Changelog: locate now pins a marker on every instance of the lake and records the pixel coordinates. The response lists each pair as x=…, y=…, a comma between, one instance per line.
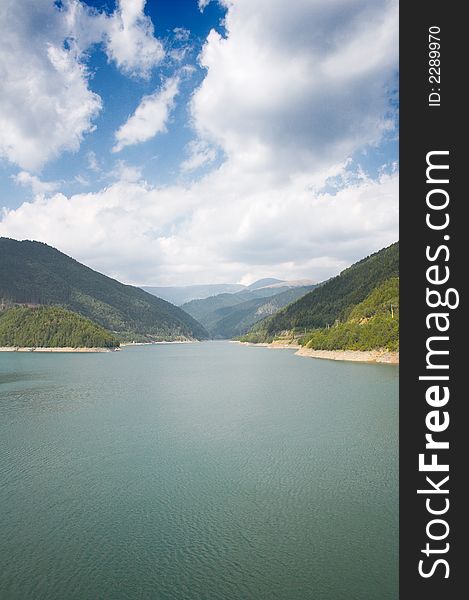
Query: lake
x=206, y=471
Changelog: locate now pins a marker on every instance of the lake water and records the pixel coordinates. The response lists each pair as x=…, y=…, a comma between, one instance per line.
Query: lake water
x=207, y=471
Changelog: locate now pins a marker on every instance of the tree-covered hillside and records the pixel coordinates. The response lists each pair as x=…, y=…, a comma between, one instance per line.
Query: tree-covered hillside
x=373, y=323
x=242, y=316
x=334, y=301
x=33, y=272
x=230, y=315
x=51, y=326
x=208, y=311
x=181, y=294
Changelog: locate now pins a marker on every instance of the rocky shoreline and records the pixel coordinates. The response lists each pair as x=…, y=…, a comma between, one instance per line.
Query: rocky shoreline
x=274, y=344
x=373, y=356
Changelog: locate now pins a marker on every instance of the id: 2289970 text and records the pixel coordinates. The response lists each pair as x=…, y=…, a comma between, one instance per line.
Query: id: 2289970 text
x=434, y=65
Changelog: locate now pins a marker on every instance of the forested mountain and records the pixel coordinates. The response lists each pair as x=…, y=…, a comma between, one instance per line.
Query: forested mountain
x=35, y=273
x=334, y=301
x=373, y=323
x=231, y=315
x=181, y=295
x=51, y=326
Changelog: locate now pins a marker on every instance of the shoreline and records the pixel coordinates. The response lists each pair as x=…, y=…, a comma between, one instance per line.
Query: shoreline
x=70, y=350
x=127, y=344
x=55, y=349
x=370, y=356
x=272, y=345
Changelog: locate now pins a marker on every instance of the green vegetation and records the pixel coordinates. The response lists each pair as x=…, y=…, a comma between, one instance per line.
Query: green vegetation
x=374, y=323
x=209, y=311
x=33, y=272
x=182, y=294
x=244, y=315
x=230, y=315
x=51, y=326
x=350, y=311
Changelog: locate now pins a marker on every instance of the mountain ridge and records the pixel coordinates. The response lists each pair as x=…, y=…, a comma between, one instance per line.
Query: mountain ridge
x=34, y=272
x=181, y=295
x=333, y=301
x=230, y=315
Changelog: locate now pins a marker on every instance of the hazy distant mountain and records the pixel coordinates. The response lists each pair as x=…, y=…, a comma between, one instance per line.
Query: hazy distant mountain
x=230, y=315
x=244, y=315
x=180, y=295
x=260, y=283
x=281, y=284
x=35, y=273
x=361, y=295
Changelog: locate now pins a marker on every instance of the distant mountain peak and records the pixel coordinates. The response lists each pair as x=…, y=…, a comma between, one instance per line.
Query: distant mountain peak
x=181, y=294
x=270, y=282
x=291, y=283
x=265, y=282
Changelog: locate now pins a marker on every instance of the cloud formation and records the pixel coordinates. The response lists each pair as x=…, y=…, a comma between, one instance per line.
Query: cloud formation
x=300, y=85
x=290, y=94
x=215, y=230
x=37, y=186
x=202, y=4
x=199, y=154
x=130, y=39
x=150, y=117
x=124, y=172
x=46, y=104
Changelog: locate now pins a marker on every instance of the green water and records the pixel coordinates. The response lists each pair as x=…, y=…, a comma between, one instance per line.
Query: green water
x=208, y=471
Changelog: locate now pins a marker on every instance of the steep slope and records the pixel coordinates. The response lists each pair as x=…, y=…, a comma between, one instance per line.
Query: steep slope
x=334, y=300
x=372, y=324
x=51, y=326
x=244, y=315
x=209, y=311
x=33, y=272
x=230, y=315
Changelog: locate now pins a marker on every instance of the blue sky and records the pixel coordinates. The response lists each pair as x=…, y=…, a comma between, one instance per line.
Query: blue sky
x=201, y=141
x=159, y=158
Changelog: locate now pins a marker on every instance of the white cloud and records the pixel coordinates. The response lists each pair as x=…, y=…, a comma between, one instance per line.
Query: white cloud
x=291, y=93
x=130, y=39
x=300, y=85
x=215, y=230
x=124, y=172
x=37, y=186
x=181, y=34
x=92, y=161
x=200, y=154
x=46, y=105
x=80, y=180
x=202, y=4
x=150, y=117
x=127, y=33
